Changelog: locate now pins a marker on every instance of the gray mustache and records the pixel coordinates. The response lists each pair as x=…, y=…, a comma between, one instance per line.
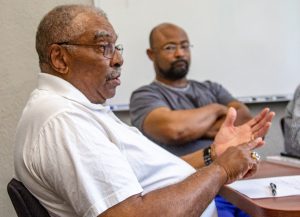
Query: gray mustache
x=116, y=73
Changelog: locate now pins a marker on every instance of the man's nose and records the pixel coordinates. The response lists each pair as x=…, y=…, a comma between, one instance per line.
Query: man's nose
x=179, y=52
x=117, y=59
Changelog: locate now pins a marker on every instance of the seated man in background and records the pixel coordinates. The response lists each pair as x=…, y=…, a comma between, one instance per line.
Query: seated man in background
x=78, y=159
x=181, y=115
x=292, y=125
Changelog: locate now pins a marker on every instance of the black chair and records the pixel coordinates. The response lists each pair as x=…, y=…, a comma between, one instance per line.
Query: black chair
x=25, y=204
x=282, y=125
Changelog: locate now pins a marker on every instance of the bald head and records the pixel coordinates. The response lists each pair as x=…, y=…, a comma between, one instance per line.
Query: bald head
x=164, y=30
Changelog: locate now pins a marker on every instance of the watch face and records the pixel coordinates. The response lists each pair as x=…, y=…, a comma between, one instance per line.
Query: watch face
x=207, y=156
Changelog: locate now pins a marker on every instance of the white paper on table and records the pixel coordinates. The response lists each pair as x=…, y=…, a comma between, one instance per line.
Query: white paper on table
x=260, y=188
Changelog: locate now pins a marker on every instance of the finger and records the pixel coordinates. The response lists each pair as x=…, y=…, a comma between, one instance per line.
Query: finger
x=267, y=119
x=252, y=170
x=230, y=117
x=262, y=131
x=259, y=117
x=262, y=127
x=271, y=115
x=262, y=121
x=252, y=166
x=258, y=142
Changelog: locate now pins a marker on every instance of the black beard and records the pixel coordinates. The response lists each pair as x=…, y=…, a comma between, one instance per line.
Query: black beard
x=174, y=73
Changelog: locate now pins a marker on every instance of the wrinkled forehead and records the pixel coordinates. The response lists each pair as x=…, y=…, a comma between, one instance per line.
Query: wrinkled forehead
x=97, y=28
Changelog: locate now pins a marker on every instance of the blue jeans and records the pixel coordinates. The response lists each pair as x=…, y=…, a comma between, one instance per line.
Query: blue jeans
x=226, y=209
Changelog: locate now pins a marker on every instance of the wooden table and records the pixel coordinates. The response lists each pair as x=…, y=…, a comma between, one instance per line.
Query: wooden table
x=267, y=207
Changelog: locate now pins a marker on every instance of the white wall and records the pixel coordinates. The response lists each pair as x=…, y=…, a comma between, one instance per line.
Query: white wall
x=19, y=68
x=238, y=43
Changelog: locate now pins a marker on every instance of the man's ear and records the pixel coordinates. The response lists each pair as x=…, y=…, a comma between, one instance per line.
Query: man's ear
x=58, y=58
x=150, y=54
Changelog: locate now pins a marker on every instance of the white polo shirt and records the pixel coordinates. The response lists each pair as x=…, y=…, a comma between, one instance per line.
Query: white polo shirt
x=79, y=159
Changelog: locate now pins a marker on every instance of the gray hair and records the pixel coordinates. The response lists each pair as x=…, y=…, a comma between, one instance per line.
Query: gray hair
x=58, y=26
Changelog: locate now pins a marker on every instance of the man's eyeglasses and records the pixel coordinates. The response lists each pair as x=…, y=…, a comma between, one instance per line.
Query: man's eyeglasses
x=172, y=48
x=108, y=50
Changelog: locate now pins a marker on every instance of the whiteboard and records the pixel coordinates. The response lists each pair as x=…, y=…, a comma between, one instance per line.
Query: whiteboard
x=251, y=47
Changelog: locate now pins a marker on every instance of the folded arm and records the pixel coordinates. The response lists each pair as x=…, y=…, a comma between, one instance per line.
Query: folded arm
x=181, y=126
x=243, y=115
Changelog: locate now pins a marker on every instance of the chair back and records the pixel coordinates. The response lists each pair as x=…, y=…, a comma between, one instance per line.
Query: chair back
x=282, y=123
x=25, y=204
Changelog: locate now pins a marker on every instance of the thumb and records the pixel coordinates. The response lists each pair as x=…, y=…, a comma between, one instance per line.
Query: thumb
x=230, y=117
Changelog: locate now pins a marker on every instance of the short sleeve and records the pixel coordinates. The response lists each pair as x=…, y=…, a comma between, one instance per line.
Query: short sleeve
x=221, y=94
x=142, y=102
x=75, y=157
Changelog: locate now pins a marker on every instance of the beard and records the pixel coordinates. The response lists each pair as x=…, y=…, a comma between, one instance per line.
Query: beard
x=175, y=72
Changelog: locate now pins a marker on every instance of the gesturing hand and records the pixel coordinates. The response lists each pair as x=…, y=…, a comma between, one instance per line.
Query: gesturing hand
x=229, y=135
x=237, y=161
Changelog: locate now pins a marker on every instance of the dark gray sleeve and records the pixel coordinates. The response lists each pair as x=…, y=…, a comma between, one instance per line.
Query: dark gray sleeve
x=222, y=95
x=143, y=101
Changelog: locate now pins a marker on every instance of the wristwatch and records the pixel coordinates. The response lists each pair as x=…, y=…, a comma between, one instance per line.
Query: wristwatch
x=207, y=156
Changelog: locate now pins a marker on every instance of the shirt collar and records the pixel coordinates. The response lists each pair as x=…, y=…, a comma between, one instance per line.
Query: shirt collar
x=180, y=89
x=65, y=89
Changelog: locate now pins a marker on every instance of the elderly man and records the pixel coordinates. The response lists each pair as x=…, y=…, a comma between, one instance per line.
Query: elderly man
x=78, y=159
